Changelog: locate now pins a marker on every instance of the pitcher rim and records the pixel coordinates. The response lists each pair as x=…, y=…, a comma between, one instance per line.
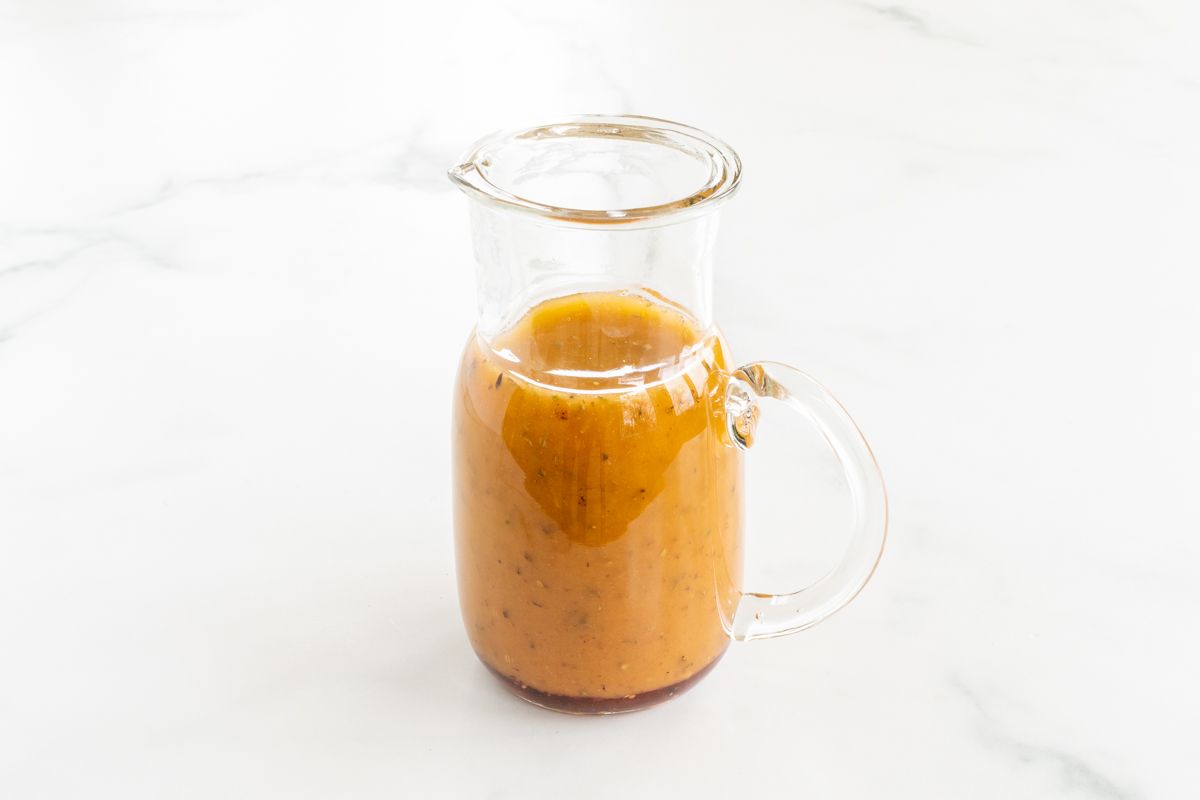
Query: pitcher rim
x=724, y=169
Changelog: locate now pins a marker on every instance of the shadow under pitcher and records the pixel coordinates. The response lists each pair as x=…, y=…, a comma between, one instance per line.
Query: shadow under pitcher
x=600, y=426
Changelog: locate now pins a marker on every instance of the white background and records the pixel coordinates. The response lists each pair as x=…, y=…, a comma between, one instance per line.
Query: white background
x=234, y=282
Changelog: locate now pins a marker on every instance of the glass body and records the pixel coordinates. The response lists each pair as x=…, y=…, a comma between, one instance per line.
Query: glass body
x=599, y=427
x=598, y=519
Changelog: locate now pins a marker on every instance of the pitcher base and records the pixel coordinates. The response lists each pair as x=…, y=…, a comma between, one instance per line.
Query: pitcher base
x=573, y=704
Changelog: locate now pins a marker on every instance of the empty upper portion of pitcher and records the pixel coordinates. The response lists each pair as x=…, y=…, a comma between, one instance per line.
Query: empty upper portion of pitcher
x=595, y=203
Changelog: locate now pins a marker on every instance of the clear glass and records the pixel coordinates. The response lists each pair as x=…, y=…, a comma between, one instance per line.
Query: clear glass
x=599, y=427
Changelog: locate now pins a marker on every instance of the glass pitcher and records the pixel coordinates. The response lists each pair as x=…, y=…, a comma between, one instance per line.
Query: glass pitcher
x=599, y=423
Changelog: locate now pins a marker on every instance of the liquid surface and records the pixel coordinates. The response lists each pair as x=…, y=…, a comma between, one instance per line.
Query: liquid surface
x=598, y=500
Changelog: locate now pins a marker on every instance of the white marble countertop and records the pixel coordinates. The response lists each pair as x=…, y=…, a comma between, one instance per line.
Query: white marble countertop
x=234, y=283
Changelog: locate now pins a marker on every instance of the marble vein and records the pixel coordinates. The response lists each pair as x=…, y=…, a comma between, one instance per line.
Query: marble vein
x=1074, y=773
x=904, y=19
x=398, y=161
x=83, y=240
x=67, y=245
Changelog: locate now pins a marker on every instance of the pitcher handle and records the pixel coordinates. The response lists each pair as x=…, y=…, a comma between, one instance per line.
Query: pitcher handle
x=760, y=615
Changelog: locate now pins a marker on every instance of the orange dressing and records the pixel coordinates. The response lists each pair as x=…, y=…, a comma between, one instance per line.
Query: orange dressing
x=597, y=498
